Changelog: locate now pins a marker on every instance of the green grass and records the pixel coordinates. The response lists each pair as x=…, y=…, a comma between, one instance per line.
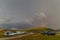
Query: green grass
x=1, y=35
x=38, y=37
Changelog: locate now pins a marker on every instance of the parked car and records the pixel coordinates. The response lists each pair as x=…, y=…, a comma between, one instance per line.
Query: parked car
x=48, y=33
x=20, y=32
x=8, y=33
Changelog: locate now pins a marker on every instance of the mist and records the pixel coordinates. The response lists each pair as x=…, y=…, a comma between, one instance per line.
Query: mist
x=14, y=11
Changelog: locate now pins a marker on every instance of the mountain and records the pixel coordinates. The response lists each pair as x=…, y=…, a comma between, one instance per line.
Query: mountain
x=17, y=25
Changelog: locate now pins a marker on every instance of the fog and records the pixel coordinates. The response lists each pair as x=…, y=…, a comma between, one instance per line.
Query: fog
x=13, y=11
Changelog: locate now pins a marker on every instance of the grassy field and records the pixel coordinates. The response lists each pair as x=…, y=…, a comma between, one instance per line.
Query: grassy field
x=1, y=35
x=38, y=37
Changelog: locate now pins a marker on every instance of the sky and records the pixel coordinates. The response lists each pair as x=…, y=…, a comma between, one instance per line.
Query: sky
x=13, y=11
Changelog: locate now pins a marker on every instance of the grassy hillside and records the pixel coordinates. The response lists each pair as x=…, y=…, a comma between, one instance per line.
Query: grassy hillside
x=38, y=37
x=39, y=29
x=1, y=33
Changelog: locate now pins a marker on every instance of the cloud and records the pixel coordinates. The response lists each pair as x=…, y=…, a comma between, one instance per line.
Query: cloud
x=29, y=21
x=39, y=18
x=43, y=15
x=2, y=21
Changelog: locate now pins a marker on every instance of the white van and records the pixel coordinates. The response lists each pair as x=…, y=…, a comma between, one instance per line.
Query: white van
x=8, y=33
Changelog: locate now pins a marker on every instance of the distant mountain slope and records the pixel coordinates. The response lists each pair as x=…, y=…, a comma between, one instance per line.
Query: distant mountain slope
x=17, y=25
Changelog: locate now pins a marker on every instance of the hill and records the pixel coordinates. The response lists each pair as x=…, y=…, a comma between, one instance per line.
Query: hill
x=38, y=37
x=17, y=25
x=39, y=29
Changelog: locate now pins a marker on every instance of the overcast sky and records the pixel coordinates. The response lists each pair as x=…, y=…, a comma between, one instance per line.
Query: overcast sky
x=12, y=11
